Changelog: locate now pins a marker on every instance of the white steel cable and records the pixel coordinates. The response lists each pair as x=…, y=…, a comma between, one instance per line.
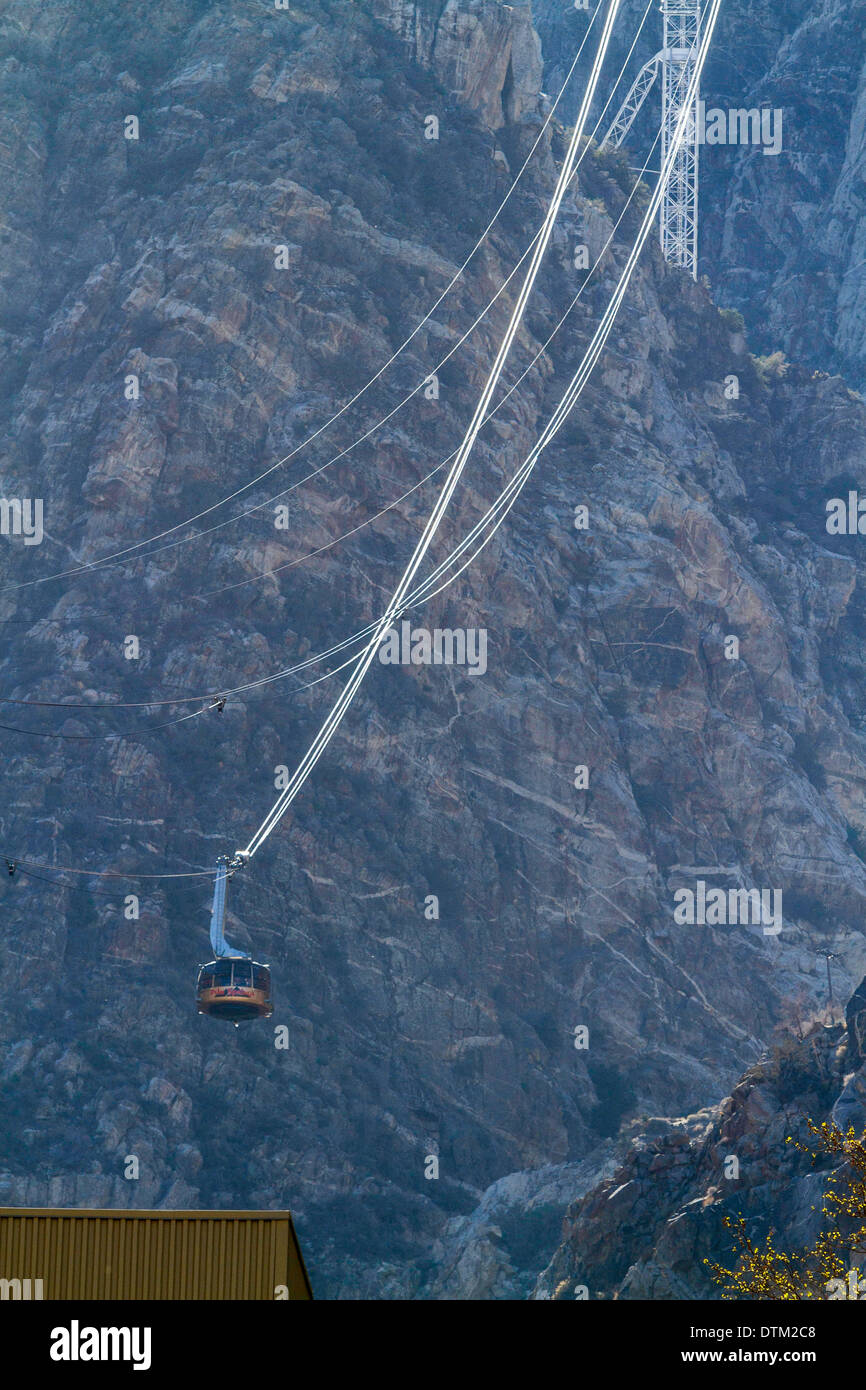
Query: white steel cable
x=106, y=560
x=504, y=502
x=254, y=579
x=596, y=347
x=557, y=420
x=512, y=490
x=417, y=595
x=455, y=348
x=352, y=685
x=575, y=387
x=109, y=560
x=422, y=593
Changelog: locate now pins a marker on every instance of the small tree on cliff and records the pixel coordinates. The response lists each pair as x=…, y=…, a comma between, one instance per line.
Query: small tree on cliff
x=768, y=1273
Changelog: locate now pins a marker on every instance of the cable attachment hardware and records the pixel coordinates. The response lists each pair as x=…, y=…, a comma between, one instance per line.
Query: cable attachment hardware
x=11, y=867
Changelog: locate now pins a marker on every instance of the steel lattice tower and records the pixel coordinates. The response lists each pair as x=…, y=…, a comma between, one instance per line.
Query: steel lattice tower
x=676, y=63
x=679, y=214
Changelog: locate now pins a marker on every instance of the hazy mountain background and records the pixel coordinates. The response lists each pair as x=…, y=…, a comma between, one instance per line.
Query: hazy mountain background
x=411, y=1037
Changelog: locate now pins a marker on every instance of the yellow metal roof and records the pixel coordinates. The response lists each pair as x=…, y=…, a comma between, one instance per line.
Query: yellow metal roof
x=94, y=1253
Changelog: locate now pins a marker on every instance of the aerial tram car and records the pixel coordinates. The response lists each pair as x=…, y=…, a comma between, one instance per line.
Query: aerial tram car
x=232, y=986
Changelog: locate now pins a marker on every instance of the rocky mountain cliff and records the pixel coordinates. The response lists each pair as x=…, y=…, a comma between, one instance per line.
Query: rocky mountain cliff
x=277, y=229
x=647, y=1231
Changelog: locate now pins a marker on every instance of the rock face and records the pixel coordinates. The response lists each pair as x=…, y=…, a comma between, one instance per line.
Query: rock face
x=449, y=902
x=647, y=1230
x=486, y=54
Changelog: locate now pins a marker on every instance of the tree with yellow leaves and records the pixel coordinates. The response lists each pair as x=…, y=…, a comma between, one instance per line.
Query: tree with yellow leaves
x=830, y=1268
